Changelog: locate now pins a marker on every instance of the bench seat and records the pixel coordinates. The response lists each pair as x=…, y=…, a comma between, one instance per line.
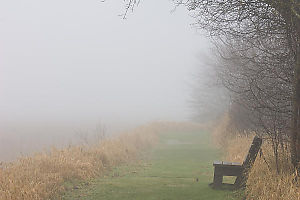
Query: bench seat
x=218, y=163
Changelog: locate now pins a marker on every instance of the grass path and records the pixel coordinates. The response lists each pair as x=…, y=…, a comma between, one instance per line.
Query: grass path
x=179, y=168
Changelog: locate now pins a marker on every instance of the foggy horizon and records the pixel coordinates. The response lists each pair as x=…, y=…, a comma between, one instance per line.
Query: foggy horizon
x=78, y=64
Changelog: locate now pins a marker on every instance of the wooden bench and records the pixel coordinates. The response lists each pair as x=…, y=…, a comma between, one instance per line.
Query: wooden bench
x=236, y=169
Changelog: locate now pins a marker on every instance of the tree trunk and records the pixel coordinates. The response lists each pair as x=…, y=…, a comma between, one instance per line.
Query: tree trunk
x=292, y=20
x=295, y=145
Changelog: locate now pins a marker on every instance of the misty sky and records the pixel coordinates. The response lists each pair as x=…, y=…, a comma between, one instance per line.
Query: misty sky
x=78, y=60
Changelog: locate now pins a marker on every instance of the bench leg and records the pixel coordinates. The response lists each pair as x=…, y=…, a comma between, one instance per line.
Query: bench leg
x=218, y=179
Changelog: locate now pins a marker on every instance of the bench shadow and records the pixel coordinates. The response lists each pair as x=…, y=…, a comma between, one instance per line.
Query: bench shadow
x=223, y=186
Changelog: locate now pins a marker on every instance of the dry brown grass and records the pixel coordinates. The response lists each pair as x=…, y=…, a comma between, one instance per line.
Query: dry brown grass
x=42, y=175
x=264, y=182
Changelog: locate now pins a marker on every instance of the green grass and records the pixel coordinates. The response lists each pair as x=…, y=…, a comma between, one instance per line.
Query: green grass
x=169, y=172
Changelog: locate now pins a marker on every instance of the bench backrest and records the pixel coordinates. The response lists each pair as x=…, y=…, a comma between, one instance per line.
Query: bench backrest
x=252, y=154
x=248, y=162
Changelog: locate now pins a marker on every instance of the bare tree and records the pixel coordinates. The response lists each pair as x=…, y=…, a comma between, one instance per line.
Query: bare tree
x=261, y=90
x=209, y=99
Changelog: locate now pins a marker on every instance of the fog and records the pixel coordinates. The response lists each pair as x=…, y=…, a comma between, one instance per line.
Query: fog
x=68, y=66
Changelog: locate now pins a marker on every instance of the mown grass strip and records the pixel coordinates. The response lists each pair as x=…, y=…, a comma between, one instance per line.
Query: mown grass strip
x=179, y=168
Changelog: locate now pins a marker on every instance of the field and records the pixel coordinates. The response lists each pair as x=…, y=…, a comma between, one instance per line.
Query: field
x=178, y=168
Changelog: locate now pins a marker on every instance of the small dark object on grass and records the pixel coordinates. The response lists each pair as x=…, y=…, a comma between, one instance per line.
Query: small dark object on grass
x=76, y=187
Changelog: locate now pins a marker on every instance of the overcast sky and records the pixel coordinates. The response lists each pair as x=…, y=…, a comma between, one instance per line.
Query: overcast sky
x=78, y=60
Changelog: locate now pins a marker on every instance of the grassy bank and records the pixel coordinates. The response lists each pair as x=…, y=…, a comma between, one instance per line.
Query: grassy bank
x=179, y=168
x=42, y=176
